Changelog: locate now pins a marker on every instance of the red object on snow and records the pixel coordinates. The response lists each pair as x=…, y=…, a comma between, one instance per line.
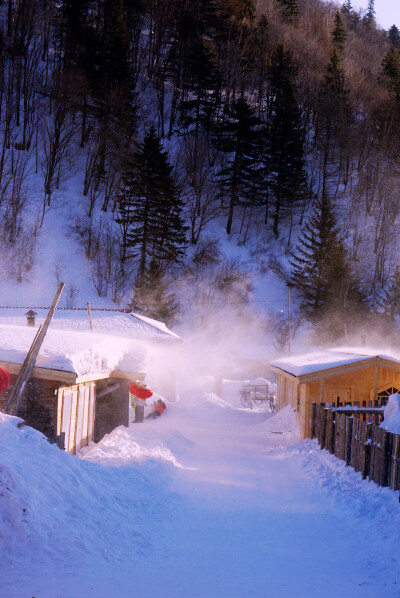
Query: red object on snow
x=5, y=379
x=140, y=391
x=160, y=406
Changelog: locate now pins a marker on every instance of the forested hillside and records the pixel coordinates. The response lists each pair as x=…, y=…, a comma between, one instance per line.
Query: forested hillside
x=277, y=118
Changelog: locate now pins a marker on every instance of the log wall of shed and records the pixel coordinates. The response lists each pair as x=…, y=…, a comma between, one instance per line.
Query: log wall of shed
x=38, y=407
x=112, y=409
x=358, y=387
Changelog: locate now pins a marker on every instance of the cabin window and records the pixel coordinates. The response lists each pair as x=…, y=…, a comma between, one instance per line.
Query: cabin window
x=384, y=395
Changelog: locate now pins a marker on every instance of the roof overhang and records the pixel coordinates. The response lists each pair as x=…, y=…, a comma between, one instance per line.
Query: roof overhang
x=330, y=372
x=70, y=378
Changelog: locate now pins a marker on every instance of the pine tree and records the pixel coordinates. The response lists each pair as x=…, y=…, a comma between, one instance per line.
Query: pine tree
x=339, y=33
x=390, y=78
x=391, y=298
x=350, y=15
x=289, y=9
x=390, y=73
x=285, y=159
x=334, y=87
x=150, y=209
x=75, y=30
x=347, y=7
x=153, y=296
x=370, y=14
x=113, y=50
x=203, y=82
x=321, y=269
x=394, y=36
x=240, y=137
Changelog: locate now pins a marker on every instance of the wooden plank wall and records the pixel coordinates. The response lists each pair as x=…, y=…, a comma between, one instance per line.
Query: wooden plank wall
x=369, y=449
x=76, y=415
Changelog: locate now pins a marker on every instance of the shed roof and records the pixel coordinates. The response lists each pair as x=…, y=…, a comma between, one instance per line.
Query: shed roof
x=66, y=355
x=71, y=352
x=107, y=322
x=333, y=361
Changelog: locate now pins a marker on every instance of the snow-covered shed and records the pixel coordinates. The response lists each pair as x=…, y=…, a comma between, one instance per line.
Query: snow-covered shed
x=340, y=377
x=79, y=389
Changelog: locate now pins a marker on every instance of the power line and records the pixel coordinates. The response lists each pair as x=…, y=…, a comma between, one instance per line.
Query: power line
x=127, y=311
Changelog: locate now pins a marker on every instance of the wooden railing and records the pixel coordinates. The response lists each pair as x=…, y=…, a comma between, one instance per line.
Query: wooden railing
x=366, y=447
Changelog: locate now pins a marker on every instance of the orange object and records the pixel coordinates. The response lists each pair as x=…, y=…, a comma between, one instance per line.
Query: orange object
x=5, y=379
x=139, y=391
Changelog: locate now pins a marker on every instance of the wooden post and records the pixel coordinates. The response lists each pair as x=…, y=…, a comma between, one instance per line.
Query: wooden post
x=323, y=428
x=330, y=431
x=385, y=458
x=394, y=473
x=367, y=451
x=313, y=414
x=348, y=441
x=340, y=435
x=28, y=365
x=90, y=315
x=375, y=384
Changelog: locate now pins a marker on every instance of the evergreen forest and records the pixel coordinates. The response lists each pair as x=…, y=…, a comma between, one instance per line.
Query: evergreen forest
x=274, y=121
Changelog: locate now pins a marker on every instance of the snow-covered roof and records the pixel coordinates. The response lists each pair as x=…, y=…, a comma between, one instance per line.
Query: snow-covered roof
x=309, y=363
x=76, y=352
x=114, y=323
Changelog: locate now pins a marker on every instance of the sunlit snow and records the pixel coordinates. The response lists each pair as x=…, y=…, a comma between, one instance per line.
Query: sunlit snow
x=209, y=500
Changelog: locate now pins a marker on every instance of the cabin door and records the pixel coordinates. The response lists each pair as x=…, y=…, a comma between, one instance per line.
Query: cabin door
x=76, y=415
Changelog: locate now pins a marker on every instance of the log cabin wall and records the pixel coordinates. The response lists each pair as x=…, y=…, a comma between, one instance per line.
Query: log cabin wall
x=358, y=387
x=38, y=407
x=112, y=406
x=72, y=416
x=286, y=391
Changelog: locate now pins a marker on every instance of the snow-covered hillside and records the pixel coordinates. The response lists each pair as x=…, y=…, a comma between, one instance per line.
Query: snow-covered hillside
x=209, y=500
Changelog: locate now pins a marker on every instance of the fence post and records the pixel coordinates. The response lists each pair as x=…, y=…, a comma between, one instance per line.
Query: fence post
x=330, y=430
x=348, y=439
x=367, y=451
x=395, y=462
x=323, y=427
x=384, y=478
x=313, y=414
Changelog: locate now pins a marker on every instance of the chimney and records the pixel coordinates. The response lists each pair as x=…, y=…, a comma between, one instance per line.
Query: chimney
x=30, y=317
x=364, y=340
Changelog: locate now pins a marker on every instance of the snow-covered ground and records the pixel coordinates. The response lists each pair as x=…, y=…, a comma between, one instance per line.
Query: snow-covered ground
x=209, y=501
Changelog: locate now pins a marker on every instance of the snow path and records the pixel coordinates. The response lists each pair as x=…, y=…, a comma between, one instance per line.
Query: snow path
x=207, y=501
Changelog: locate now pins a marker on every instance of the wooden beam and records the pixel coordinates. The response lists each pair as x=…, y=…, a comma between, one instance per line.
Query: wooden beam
x=28, y=365
x=41, y=373
x=375, y=383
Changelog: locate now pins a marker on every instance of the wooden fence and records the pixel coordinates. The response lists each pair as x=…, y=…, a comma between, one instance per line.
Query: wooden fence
x=365, y=446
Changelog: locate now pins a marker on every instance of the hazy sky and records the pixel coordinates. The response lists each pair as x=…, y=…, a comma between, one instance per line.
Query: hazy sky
x=387, y=12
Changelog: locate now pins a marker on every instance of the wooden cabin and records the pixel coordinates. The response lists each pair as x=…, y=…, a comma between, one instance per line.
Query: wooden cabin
x=69, y=410
x=79, y=389
x=338, y=377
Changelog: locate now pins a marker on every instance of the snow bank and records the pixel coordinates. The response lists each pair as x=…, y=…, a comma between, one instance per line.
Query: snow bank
x=207, y=500
x=56, y=508
x=391, y=421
